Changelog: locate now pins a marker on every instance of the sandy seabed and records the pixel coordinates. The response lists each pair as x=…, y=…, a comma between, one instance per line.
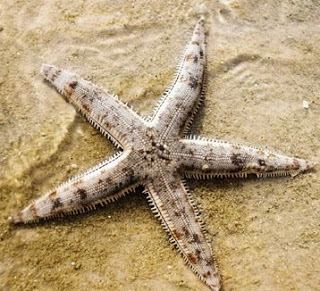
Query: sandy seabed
x=263, y=61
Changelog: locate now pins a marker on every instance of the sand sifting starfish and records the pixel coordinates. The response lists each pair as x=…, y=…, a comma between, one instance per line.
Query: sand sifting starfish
x=157, y=154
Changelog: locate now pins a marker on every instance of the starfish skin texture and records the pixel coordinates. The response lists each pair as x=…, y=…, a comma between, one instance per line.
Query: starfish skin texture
x=156, y=153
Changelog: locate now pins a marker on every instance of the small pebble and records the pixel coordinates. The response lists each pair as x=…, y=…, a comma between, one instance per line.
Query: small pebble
x=75, y=265
x=1, y=28
x=305, y=104
x=73, y=166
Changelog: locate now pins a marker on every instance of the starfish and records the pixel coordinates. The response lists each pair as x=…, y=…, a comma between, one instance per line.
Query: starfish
x=156, y=153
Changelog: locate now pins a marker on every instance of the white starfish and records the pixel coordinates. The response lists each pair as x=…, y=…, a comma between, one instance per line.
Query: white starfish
x=156, y=153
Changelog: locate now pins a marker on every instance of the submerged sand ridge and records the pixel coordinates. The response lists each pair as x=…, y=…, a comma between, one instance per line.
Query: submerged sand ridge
x=263, y=61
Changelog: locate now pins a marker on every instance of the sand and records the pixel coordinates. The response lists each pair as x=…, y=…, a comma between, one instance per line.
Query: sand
x=263, y=62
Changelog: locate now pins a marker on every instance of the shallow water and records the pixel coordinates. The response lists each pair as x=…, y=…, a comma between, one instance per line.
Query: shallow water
x=263, y=61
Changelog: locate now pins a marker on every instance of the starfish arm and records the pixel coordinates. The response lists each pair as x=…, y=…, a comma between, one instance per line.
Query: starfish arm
x=173, y=205
x=204, y=158
x=105, y=111
x=101, y=184
x=181, y=100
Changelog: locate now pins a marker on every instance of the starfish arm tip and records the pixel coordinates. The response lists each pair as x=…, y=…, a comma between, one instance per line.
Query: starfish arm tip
x=45, y=69
x=14, y=220
x=311, y=165
x=307, y=165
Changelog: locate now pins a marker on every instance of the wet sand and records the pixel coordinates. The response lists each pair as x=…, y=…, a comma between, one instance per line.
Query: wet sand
x=263, y=61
